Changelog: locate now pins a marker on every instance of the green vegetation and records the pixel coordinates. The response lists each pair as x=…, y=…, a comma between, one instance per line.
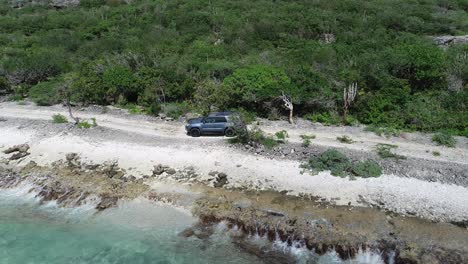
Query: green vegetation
x=306, y=140
x=345, y=139
x=281, y=136
x=386, y=131
x=59, y=119
x=87, y=123
x=331, y=160
x=199, y=56
x=444, y=139
x=367, y=169
x=256, y=136
x=385, y=151
x=340, y=165
x=436, y=153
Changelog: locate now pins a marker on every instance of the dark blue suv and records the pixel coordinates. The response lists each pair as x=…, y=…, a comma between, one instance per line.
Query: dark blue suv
x=219, y=123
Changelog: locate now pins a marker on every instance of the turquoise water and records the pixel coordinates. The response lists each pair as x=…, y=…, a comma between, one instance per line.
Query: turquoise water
x=135, y=232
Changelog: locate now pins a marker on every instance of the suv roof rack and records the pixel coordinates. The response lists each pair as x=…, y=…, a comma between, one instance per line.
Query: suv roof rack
x=221, y=113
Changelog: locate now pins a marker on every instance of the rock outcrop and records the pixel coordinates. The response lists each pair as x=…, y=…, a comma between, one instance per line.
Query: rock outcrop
x=70, y=182
x=306, y=223
x=51, y=3
x=450, y=40
x=19, y=151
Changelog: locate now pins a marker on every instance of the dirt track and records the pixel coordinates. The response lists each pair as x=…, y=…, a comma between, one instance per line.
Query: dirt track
x=139, y=142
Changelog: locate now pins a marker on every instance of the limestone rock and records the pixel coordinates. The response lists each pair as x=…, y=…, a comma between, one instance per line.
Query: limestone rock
x=63, y=3
x=106, y=202
x=17, y=148
x=160, y=169
x=19, y=155
x=449, y=40
x=220, y=180
x=73, y=160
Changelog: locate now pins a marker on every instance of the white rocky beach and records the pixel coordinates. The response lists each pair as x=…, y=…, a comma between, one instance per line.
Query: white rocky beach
x=158, y=154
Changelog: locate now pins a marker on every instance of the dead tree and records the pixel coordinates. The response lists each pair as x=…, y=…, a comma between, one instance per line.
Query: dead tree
x=349, y=94
x=66, y=91
x=76, y=119
x=288, y=105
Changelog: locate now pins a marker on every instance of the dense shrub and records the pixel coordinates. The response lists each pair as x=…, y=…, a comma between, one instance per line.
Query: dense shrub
x=386, y=131
x=306, y=140
x=340, y=165
x=324, y=118
x=255, y=136
x=46, y=93
x=419, y=62
x=366, y=169
x=444, y=139
x=332, y=160
x=59, y=119
x=282, y=136
x=345, y=139
x=385, y=151
x=175, y=110
x=87, y=123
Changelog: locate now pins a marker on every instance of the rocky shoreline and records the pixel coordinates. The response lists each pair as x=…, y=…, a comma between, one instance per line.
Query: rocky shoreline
x=303, y=221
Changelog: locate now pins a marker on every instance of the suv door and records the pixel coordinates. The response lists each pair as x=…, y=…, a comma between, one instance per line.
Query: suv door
x=208, y=125
x=219, y=124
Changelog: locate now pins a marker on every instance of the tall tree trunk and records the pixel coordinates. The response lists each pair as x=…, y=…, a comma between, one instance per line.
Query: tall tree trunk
x=288, y=105
x=76, y=119
x=345, y=111
x=291, y=120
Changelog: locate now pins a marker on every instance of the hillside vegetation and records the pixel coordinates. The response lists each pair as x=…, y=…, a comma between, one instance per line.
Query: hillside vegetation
x=199, y=55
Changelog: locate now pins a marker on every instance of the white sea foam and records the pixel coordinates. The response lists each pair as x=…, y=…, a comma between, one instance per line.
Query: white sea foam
x=26, y=193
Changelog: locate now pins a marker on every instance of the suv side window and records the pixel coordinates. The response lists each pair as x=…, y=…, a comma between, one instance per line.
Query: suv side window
x=220, y=119
x=210, y=120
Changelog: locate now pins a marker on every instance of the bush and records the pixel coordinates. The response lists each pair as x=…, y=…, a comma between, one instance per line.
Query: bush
x=345, y=139
x=306, y=139
x=153, y=109
x=339, y=165
x=387, y=131
x=384, y=151
x=175, y=110
x=254, y=136
x=366, y=169
x=444, y=139
x=436, y=153
x=327, y=119
x=281, y=136
x=16, y=97
x=134, y=109
x=59, y=119
x=87, y=123
x=333, y=160
x=247, y=116
x=46, y=93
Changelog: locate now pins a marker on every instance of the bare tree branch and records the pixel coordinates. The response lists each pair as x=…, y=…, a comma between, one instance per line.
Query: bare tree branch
x=288, y=105
x=349, y=94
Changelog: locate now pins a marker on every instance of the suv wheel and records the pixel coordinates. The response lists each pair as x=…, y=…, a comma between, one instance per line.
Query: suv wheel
x=195, y=133
x=229, y=132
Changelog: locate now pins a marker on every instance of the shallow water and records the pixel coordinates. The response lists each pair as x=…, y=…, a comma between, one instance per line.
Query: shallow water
x=135, y=232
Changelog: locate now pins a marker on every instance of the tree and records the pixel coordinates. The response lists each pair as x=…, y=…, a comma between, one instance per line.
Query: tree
x=288, y=105
x=422, y=64
x=120, y=81
x=67, y=90
x=207, y=95
x=255, y=84
x=349, y=94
